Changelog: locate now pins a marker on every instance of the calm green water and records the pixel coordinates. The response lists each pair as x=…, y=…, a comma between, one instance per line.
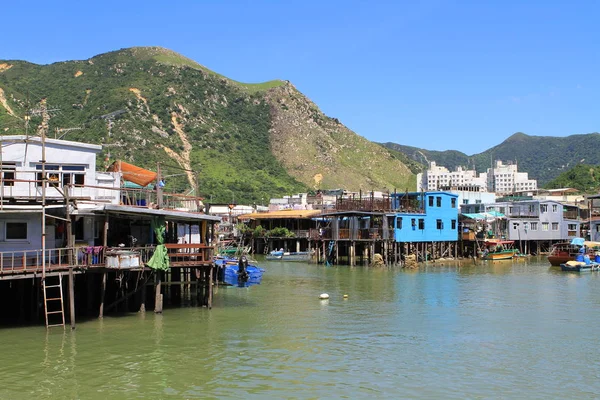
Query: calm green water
x=503, y=330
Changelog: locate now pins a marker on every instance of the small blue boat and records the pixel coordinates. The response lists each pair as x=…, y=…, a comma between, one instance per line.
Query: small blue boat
x=580, y=267
x=238, y=272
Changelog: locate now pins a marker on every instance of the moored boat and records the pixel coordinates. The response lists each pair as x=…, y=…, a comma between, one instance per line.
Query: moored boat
x=579, y=266
x=499, y=250
x=568, y=251
x=238, y=272
x=280, y=255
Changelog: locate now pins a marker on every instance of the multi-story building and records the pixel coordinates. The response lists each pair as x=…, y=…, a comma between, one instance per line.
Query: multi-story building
x=440, y=178
x=537, y=220
x=426, y=217
x=504, y=179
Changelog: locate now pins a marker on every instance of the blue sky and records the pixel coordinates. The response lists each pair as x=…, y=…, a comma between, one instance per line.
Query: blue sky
x=460, y=75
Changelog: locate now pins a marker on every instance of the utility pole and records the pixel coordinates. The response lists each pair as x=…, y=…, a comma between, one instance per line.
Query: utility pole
x=43, y=131
x=159, y=194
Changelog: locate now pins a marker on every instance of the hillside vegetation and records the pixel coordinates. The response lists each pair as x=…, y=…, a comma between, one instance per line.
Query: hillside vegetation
x=238, y=142
x=543, y=157
x=583, y=177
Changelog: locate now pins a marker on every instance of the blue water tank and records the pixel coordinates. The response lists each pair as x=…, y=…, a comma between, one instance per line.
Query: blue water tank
x=579, y=257
x=586, y=259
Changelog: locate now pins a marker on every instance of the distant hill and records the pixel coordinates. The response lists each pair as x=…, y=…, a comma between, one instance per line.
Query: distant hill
x=543, y=157
x=583, y=177
x=239, y=142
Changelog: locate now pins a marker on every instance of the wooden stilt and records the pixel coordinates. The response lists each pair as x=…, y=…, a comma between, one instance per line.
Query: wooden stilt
x=143, y=293
x=72, y=297
x=102, y=294
x=158, y=302
x=210, y=286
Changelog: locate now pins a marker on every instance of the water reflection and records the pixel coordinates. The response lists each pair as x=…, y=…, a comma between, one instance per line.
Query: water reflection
x=462, y=330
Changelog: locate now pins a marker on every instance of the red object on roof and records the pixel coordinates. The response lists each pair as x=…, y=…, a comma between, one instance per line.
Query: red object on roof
x=133, y=173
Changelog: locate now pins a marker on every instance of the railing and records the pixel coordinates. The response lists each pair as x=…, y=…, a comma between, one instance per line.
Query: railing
x=60, y=258
x=133, y=197
x=193, y=254
x=30, y=261
x=369, y=204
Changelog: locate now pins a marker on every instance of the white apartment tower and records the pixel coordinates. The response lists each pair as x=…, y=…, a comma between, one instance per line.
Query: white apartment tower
x=505, y=179
x=440, y=178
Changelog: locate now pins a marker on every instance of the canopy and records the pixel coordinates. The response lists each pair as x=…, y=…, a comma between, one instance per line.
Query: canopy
x=280, y=214
x=488, y=216
x=133, y=173
x=578, y=241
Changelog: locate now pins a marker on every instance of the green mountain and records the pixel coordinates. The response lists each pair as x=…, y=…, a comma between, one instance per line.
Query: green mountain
x=543, y=157
x=584, y=177
x=236, y=141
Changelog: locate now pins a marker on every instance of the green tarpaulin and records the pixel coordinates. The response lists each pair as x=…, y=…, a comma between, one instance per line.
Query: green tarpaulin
x=160, y=258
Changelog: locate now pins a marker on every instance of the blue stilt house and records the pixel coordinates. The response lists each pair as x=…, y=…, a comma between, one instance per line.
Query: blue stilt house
x=425, y=217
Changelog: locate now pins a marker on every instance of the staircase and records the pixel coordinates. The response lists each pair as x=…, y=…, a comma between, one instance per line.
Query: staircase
x=53, y=301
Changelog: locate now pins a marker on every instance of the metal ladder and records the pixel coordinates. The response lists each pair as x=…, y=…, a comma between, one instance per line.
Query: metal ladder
x=53, y=293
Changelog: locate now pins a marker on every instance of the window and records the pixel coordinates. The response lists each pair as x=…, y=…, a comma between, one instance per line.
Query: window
x=98, y=228
x=438, y=201
x=61, y=174
x=453, y=224
x=554, y=207
x=534, y=226
x=51, y=177
x=430, y=201
x=531, y=208
x=8, y=173
x=413, y=223
x=399, y=223
x=421, y=223
x=572, y=227
x=510, y=210
x=545, y=226
x=555, y=226
x=77, y=179
x=16, y=231
x=439, y=224
x=465, y=201
x=543, y=208
x=453, y=202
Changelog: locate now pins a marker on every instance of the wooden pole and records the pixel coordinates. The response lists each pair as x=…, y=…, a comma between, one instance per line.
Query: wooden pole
x=158, y=299
x=210, y=286
x=143, y=294
x=102, y=294
x=72, y=297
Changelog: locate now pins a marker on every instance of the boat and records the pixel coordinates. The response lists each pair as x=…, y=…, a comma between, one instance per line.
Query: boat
x=280, y=255
x=230, y=248
x=580, y=266
x=238, y=272
x=568, y=251
x=499, y=250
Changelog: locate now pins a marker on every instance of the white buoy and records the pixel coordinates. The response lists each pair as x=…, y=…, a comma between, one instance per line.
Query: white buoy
x=323, y=296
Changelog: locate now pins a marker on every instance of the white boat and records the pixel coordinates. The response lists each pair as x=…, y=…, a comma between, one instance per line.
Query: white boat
x=281, y=255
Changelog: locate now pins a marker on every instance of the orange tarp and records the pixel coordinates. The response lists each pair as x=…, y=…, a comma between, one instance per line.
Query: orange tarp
x=295, y=214
x=132, y=173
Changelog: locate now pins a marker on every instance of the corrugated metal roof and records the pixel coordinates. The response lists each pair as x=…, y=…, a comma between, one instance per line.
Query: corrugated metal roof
x=281, y=214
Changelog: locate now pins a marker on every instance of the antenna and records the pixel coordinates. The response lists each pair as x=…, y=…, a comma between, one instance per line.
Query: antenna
x=64, y=131
x=110, y=118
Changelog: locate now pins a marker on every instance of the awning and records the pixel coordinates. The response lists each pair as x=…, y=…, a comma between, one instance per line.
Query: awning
x=487, y=216
x=133, y=173
x=282, y=214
